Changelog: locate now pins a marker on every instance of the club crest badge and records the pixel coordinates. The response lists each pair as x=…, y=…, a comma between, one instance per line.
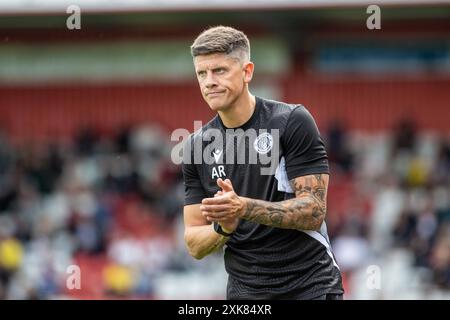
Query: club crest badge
x=263, y=143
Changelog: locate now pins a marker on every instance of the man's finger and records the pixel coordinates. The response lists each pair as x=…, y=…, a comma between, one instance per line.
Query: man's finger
x=216, y=200
x=226, y=187
x=215, y=215
x=211, y=219
x=214, y=207
x=228, y=181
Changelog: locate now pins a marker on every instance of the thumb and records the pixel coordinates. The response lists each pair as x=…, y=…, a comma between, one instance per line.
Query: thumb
x=225, y=185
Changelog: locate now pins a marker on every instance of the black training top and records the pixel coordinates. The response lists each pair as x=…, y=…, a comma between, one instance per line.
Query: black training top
x=265, y=262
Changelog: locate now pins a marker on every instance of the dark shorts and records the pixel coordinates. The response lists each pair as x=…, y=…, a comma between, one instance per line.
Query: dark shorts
x=329, y=296
x=237, y=291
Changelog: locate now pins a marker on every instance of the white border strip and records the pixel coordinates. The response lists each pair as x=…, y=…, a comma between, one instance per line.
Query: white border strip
x=50, y=6
x=319, y=237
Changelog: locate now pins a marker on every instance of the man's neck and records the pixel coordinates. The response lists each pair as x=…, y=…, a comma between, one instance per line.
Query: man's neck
x=240, y=112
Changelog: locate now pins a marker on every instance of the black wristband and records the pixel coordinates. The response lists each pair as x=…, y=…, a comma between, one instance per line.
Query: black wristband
x=218, y=229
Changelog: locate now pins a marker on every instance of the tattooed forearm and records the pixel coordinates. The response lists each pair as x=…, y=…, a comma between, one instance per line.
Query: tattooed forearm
x=306, y=211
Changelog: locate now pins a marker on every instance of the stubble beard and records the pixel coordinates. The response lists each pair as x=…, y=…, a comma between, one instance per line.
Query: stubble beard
x=228, y=104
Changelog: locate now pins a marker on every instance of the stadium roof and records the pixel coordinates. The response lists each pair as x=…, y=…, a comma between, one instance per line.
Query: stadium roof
x=60, y=6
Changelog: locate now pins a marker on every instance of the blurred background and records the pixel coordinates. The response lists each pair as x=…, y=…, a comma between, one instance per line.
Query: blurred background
x=86, y=176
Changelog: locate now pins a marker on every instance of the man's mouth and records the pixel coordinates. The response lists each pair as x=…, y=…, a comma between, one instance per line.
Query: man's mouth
x=214, y=93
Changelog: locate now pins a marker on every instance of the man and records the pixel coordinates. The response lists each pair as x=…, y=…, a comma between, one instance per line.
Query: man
x=276, y=243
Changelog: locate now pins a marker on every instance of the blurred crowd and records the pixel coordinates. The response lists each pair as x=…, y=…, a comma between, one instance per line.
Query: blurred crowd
x=390, y=207
x=105, y=203
x=112, y=205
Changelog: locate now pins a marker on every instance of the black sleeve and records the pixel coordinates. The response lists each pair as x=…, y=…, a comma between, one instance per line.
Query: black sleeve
x=304, y=150
x=193, y=190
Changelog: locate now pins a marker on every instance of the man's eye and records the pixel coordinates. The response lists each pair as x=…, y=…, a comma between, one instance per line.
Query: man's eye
x=220, y=71
x=201, y=74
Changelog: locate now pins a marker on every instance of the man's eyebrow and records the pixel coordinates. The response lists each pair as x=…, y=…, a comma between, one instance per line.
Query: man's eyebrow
x=206, y=68
x=214, y=67
x=219, y=67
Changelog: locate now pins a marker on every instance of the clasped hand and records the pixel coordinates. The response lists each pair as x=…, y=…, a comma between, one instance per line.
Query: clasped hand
x=226, y=207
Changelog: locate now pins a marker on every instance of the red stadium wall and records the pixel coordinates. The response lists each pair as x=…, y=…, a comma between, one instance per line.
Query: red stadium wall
x=47, y=112
x=374, y=104
x=371, y=105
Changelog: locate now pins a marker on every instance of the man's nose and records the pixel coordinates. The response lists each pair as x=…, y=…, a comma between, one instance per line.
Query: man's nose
x=210, y=80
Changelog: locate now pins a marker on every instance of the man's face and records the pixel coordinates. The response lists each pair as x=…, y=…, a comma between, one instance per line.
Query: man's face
x=221, y=78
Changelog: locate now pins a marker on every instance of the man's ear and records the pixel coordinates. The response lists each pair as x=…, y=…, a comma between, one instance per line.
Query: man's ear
x=249, y=67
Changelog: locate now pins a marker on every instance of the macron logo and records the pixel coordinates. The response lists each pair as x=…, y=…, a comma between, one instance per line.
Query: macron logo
x=217, y=154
